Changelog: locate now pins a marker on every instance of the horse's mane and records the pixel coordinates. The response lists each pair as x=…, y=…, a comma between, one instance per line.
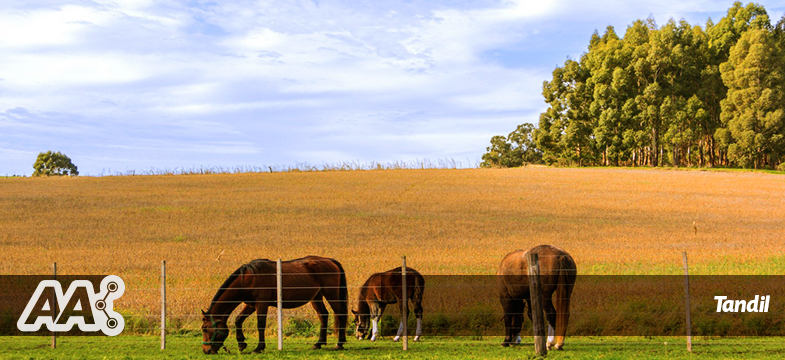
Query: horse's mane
x=259, y=266
x=253, y=267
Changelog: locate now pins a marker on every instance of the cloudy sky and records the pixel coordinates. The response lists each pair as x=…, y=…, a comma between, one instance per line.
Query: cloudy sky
x=136, y=84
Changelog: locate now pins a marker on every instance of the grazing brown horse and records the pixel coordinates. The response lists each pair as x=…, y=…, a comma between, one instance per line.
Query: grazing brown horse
x=382, y=289
x=557, y=276
x=309, y=279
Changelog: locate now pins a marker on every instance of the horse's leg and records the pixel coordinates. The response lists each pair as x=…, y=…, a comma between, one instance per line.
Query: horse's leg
x=321, y=310
x=261, y=324
x=517, y=321
x=418, y=314
x=563, y=292
x=340, y=311
x=404, y=317
x=400, y=331
x=377, y=309
x=238, y=325
x=550, y=316
x=510, y=308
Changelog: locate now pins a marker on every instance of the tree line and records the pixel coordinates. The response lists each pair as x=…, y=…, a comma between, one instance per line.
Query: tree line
x=672, y=95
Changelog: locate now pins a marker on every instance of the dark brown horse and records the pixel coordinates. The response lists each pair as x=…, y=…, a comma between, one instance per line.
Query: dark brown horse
x=382, y=289
x=557, y=277
x=305, y=280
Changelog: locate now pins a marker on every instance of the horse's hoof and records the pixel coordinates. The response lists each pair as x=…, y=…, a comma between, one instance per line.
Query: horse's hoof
x=559, y=346
x=316, y=347
x=505, y=344
x=417, y=338
x=241, y=346
x=338, y=347
x=395, y=339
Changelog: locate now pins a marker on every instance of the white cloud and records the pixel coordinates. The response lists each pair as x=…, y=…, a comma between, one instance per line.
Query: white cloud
x=48, y=27
x=335, y=80
x=69, y=70
x=256, y=41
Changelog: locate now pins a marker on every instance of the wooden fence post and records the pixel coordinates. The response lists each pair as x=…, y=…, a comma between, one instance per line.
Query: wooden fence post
x=279, y=288
x=535, y=296
x=54, y=305
x=405, y=308
x=687, y=301
x=163, y=305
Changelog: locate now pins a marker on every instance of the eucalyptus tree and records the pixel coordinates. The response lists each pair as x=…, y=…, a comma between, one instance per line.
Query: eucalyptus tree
x=722, y=37
x=754, y=109
x=564, y=133
x=738, y=20
x=676, y=94
x=681, y=111
x=605, y=62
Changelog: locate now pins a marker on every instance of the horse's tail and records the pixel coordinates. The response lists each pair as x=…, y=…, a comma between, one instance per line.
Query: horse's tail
x=568, y=272
x=343, y=291
x=566, y=281
x=419, y=289
x=343, y=298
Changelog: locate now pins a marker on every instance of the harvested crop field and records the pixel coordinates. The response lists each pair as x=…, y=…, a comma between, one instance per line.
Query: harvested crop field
x=612, y=221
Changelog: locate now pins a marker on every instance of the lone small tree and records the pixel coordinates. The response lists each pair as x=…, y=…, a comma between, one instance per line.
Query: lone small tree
x=54, y=164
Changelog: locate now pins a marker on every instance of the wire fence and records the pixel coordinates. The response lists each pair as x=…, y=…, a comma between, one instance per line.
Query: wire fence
x=169, y=301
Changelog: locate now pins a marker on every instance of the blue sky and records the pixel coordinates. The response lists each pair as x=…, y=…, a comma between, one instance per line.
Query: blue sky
x=136, y=84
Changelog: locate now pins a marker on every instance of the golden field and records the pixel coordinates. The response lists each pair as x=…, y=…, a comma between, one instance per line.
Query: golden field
x=612, y=221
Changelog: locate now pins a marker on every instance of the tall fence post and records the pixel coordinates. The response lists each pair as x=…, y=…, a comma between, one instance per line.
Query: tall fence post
x=54, y=305
x=405, y=308
x=535, y=296
x=279, y=288
x=163, y=305
x=687, y=301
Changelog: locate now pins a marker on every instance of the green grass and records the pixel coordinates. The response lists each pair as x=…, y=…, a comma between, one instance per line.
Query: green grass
x=187, y=347
x=766, y=265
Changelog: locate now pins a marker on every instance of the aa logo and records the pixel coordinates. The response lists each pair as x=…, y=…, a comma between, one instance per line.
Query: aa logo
x=80, y=306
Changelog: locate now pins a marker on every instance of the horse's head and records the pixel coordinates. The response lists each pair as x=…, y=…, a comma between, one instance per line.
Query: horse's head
x=361, y=321
x=214, y=332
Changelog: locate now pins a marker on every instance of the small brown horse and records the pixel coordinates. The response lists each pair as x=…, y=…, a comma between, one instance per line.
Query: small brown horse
x=382, y=289
x=309, y=279
x=557, y=275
